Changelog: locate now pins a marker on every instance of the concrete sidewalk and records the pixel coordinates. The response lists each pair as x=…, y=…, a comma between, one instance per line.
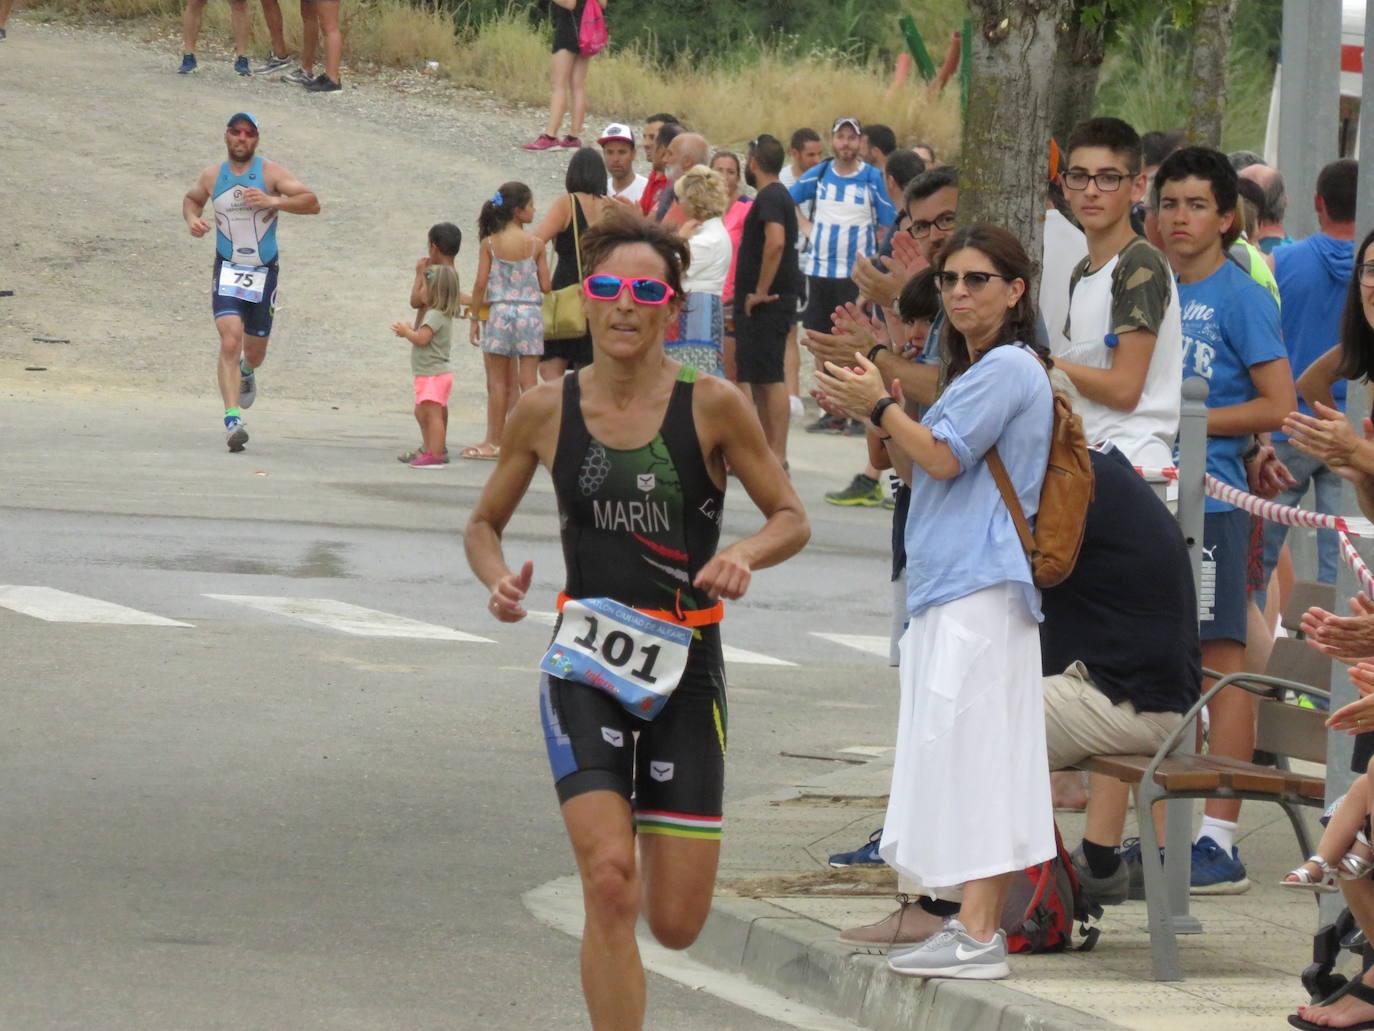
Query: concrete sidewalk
x=779, y=907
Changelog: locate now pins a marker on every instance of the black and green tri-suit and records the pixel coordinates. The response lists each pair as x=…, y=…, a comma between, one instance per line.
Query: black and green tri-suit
x=637, y=526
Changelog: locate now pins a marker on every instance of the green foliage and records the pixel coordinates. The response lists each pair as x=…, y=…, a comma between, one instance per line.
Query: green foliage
x=1145, y=77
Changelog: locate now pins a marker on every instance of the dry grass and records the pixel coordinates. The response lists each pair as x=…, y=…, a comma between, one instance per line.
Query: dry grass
x=729, y=100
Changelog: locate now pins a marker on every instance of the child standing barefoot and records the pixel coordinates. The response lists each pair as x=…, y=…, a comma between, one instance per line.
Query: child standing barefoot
x=429, y=355
x=512, y=278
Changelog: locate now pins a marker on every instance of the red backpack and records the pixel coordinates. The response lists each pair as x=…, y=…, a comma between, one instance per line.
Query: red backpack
x=1044, y=903
x=591, y=33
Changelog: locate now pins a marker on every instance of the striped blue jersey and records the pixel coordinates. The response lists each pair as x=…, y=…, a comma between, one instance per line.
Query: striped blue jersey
x=848, y=210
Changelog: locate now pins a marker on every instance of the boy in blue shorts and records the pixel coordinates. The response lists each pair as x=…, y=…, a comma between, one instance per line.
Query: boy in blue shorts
x=1231, y=338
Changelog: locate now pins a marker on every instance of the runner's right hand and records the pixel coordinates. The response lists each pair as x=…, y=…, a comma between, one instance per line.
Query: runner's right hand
x=509, y=592
x=198, y=226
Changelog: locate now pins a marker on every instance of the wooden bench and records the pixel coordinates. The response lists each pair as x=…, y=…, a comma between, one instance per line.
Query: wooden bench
x=1284, y=730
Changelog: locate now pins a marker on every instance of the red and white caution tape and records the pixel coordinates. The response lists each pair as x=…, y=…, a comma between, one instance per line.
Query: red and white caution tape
x=1357, y=566
x=1285, y=514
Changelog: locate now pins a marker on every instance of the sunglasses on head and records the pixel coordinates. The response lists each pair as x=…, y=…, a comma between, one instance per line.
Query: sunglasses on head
x=603, y=287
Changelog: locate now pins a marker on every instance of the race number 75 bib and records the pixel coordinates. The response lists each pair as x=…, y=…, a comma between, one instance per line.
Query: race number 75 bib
x=242, y=281
x=636, y=658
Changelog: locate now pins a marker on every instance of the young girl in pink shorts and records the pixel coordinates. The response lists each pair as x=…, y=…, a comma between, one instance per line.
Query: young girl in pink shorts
x=429, y=356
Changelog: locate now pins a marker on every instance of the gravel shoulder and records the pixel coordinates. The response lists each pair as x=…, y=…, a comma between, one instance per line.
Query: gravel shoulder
x=103, y=138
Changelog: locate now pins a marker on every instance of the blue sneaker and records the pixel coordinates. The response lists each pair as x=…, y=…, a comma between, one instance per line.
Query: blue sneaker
x=1215, y=872
x=241, y=65
x=867, y=855
x=188, y=64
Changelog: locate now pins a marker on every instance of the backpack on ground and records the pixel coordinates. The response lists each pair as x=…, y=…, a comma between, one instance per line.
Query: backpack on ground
x=591, y=33
x=1044, y=903
x=1068, y=489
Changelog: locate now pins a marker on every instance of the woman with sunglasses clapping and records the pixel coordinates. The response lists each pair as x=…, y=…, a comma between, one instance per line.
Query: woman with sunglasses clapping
x=632, y=696
x=970, y=799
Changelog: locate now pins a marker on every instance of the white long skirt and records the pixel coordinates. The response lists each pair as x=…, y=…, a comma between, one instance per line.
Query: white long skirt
x=970, y=781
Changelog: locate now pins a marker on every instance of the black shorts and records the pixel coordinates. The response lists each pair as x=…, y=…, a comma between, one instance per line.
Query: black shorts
x=577, y=351
x=566, y=25
x=671, y=770
x=257, y=315
x=1225, y=558
x=823, y=297
x=761, y=341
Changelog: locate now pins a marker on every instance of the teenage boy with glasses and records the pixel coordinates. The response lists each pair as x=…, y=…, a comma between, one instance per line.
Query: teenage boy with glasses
x=1123, y=350
x=1231, y=339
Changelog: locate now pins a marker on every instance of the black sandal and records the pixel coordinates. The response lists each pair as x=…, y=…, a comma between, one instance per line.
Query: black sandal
x=1355, y=988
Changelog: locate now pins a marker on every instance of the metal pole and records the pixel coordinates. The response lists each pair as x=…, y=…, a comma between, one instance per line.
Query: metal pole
x=1365, y=209
x=1192, y=503
x=1309, y=102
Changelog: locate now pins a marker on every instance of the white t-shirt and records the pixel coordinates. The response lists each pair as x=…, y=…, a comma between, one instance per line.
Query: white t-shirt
x=1146, y=434
x=1065, y=246
x=711, y=249
x=632, y=192
x=787, y=177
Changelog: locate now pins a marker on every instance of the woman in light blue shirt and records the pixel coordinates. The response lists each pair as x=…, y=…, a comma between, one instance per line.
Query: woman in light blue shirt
x=970, y=800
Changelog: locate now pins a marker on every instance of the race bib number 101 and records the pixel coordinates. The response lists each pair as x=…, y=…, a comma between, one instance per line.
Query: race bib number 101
x=243, y=281
x=636, y=658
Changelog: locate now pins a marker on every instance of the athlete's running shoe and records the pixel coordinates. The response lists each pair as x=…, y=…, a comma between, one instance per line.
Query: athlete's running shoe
x=544, y=142
x=188, y=64
x=300, y=77
x=865, y=855
x=570, y=141
x=323, y=84
x=272, y=63
x=954, y=952
x=862, y=490
x=241, y=65
x=1215, y=872
x=235, y=434
x=248, y=388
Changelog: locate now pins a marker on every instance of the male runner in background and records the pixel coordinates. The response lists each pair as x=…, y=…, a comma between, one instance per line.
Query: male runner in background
x=247, y=192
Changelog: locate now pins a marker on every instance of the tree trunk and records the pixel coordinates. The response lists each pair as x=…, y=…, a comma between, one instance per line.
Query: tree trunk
x=1004, y=165
x=1078, y=64
x=1211, y=33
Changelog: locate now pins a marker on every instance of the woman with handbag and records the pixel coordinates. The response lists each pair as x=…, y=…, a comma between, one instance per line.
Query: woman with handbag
x=578, y=35
x=566, y=344
x=970, y=799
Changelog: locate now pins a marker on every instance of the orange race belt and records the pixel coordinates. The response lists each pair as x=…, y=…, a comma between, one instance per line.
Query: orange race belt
x=683, y=617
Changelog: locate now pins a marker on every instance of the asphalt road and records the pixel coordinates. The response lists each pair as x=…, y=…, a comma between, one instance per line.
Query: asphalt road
x=255, y=821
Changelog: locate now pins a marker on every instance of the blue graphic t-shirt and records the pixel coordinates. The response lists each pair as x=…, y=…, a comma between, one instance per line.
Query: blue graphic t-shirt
x=1230, y=323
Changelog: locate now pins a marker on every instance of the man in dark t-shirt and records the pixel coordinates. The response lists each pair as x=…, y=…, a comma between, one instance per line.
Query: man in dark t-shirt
x=1120, y=652
x=767, y=283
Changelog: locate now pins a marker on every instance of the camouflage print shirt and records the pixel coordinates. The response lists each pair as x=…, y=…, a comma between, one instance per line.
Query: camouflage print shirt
x=1140, y=288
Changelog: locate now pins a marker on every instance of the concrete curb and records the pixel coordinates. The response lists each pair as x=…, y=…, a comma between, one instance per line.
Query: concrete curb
x=800, y=959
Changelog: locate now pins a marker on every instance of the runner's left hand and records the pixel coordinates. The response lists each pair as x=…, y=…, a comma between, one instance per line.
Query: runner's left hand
x=725, y=576
x=255, y=198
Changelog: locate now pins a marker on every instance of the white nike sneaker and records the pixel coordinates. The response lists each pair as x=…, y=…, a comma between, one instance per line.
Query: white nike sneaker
x=248, y=388
x=953, y=952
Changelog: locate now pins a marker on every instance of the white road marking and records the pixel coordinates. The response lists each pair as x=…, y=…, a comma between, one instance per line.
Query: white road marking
x=57, y=606
x=746, y=657
x=350, y=619
x=874, y=644
x=559, y=905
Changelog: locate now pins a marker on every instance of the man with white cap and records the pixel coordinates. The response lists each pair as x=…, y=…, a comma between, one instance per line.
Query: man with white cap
x=247, y=193
x=618, y=149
